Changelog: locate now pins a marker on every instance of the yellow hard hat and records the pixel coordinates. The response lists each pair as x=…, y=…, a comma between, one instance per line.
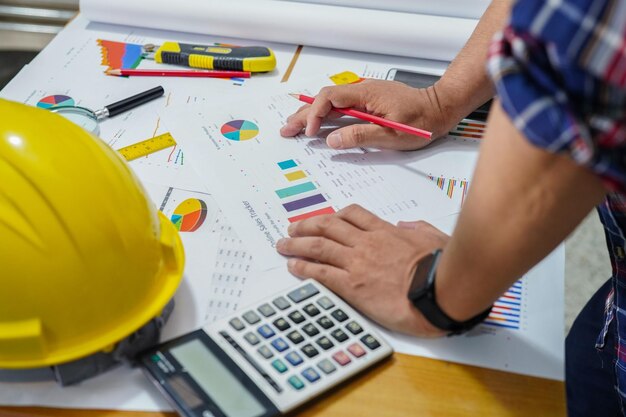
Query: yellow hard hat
x=85, y=258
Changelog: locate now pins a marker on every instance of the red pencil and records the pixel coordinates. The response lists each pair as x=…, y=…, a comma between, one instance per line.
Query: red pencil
x=371, y=118
x=178, y=73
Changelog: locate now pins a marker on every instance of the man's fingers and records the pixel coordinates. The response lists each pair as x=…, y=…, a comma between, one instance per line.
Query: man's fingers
x=375, y=136
x=330, y=226
x=297, y=121
x=330, y=276
x=341, y=96
x=361, y=218
x=316, y=248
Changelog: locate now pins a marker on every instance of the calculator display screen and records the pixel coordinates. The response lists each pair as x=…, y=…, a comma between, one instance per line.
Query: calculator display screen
x=230, y=395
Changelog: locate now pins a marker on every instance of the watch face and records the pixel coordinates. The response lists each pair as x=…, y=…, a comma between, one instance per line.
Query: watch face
x=422, y=277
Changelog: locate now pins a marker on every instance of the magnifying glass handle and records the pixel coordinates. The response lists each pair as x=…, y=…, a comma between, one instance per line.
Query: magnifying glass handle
x=134, y=101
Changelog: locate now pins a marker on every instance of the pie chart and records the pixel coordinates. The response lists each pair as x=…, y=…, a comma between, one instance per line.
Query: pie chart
x=189, y=215
x=240, y=130
x=50, y=102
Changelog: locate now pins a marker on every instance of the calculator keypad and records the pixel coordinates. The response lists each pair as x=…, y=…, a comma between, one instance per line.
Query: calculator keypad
x=308, y=327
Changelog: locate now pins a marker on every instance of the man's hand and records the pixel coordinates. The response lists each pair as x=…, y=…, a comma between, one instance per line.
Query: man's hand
x=367, y=261
x=389, y=99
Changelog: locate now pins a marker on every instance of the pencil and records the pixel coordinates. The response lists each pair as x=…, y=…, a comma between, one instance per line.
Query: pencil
x=371, y=118
x=177, y=73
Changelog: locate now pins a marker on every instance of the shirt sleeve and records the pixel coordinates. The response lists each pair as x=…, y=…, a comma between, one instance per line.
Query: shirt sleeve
x=559, y=68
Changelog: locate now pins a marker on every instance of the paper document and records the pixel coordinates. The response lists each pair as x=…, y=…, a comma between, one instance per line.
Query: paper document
x=70, y=67
x=265, y=182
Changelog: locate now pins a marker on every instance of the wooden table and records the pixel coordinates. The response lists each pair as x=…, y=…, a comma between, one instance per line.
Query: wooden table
x=405, y=386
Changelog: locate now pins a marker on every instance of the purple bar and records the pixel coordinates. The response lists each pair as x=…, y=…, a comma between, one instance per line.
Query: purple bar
x=304, y=202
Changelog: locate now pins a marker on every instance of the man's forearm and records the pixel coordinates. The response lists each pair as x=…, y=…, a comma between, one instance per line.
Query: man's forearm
x=523, y=202
x=465, y=85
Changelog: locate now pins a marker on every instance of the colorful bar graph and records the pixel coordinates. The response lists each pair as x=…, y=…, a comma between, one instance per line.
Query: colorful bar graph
x=506, y=311
x=295, y=190
x=290, y=163
x=448, y=186
x=325, y=210
x=465, y=135
x=295, y=175
x=304, y=202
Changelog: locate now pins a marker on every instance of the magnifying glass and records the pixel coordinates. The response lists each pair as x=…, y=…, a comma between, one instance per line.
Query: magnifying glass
x=90, y=120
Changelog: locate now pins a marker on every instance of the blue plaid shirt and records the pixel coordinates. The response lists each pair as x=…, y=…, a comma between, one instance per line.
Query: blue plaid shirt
x=560, y=72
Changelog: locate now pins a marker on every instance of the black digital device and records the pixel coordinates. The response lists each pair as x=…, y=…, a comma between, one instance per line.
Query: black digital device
x=420, y=80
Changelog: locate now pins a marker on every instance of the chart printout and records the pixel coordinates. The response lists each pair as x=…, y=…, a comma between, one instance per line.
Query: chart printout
x=265, y=182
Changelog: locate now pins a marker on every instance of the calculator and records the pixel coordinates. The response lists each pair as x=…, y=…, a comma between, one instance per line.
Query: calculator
x=267, y=359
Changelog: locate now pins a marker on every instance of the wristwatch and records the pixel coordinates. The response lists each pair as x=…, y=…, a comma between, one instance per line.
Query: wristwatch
x=422, y=295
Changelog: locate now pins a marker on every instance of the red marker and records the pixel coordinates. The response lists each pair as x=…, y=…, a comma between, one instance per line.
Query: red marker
x=178, y=73
x=373, y=119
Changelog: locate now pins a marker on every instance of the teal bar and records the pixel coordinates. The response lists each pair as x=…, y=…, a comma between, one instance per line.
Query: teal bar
x=290, y=163
x=296, y=189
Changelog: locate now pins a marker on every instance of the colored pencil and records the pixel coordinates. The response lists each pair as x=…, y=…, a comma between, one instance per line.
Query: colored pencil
x=177, y=73
x=371, y=118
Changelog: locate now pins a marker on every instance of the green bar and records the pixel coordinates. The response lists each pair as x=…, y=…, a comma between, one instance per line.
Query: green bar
x=296, y=189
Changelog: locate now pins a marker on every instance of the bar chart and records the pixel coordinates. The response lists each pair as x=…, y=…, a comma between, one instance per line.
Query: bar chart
x=507, y=310
x=455, y=189
x=301, y=199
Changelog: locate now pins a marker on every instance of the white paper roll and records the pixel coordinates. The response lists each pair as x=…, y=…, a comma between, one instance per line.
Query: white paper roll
x=365, y=30
x=472, y=9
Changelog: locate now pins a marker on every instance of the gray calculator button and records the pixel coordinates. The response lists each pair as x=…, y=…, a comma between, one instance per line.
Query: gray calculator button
x=324, y=343
x=339, y=315
x=251, y=317
x=325, y=322
x=251, y=338
x=325, y=303
x=295, y=337
x=354, y=328
x=266, y=310
x=370, y=341
x=296, y=317
x=281, y=303
x=311, y=310
x=281, y=324
x=327, y=366
x=310, y=329
x=339, y=335
x=265, y=352
x=309, y=350
x=237, y=324
x=302, y=293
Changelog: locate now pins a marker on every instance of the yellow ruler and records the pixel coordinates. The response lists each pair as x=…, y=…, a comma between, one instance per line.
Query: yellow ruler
x=148, y=146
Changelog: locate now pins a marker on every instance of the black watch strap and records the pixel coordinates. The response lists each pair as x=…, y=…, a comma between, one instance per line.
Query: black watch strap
x=422, y=295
